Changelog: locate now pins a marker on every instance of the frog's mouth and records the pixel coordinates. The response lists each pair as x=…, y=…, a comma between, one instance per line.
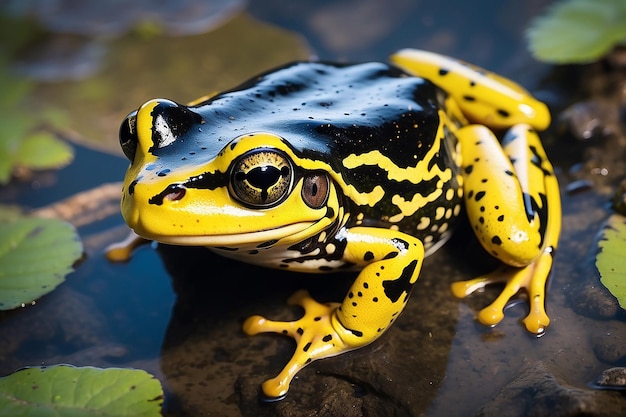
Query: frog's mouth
x=256, y=240
x=220, y=226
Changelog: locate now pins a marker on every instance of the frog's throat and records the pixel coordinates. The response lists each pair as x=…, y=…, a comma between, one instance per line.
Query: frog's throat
x=295, y=231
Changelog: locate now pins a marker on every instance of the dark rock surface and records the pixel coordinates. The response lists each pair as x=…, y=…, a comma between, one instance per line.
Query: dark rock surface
x=209, y=364
x=613, y=378
x=539, y=391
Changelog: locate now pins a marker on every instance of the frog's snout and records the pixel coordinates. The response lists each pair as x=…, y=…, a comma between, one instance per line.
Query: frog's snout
x=156, y=125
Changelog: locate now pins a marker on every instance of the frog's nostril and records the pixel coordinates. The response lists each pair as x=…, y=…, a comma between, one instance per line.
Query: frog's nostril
x=173, y=192
x=176, y=193
x=128, y=135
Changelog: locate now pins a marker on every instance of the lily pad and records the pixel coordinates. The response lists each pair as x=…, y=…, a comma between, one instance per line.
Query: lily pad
x=578, y=31
x=610, y=259
x=43, y=150
x=64, y=390
x=35, y=256
x=10, y=213
x=25, y=136
x=39, y=150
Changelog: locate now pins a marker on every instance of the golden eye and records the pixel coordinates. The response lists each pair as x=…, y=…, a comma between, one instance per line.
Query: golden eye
x=261, y=178
x=315, y=189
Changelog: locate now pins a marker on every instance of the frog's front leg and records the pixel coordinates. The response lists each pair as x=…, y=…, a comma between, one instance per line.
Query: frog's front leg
x=392, y=261
x=513, y=203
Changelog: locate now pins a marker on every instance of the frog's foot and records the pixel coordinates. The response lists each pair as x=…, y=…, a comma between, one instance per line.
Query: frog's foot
x=314, y=333
x=122, y=251
x=531, y=278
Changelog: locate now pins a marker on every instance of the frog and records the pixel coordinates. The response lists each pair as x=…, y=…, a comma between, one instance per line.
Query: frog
x=324, y=167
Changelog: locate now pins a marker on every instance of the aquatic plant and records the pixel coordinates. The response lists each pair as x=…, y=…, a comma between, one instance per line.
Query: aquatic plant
x=35, y=256
x=610, y=258
x=26, y=137
x=64, y=390
x=24, y=142
x=578, y=31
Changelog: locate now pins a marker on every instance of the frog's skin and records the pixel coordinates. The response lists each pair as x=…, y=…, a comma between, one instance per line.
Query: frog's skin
x=320, y=167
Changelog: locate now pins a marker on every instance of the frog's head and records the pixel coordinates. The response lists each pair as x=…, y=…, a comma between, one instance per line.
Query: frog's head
x=186, y=186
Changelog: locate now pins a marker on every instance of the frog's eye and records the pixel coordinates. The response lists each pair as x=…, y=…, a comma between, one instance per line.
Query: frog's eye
x=315, y=189
x=261, y=178
x=128, y=135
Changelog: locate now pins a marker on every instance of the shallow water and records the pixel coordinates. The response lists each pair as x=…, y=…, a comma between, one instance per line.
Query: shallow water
x=170, y=311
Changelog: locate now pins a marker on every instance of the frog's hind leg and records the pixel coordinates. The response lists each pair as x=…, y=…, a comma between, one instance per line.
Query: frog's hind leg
x=513, y=203
x=532, y=278
x=484, y=97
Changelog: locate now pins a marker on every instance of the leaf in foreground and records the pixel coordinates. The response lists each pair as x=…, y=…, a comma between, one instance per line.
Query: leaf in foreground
x=64, y=390
x=610, y=258
x=35, y=256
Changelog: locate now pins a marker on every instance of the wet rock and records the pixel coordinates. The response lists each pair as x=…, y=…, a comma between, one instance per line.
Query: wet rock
x=614, y=378
x=538, y=391
x=371, y=381
x=578, y=186
x=322, y=396
x=595, y=127
x=211, y=366
x=69, y=317
x=609, y=344
x=588, y=119
x=595, y=301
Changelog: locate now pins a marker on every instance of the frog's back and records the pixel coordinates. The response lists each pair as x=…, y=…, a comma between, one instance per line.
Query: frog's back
x=384, y=135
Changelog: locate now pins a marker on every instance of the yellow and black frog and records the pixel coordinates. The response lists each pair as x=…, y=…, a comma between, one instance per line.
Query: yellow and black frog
x=322, y=167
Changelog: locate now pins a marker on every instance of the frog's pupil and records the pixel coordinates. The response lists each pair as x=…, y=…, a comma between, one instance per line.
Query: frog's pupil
x=264, y=177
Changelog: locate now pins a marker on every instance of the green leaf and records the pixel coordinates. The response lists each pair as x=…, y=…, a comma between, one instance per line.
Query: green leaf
x=22, y=140
x=35, y=256
x=5, y=168
x=610, y=258
x=39, y=150
x=43, y=150
x=63, y=390
x=577, y=31
x=9, y=213
x=14, y=89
